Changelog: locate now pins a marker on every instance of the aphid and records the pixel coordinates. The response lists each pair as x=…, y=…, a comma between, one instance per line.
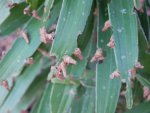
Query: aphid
x=59, y=73
x=132, y=73
x=148, y=98
x=43, y=52
x=29, y=61
x=11, y=5
x=51, y=36
x=25, y=36
x=115, y=74
x=5, y=84
x=107, y=25
x=26, y=11
x=139, y=66
x=24, y=111
x=78, y=53
x=146, y=91
x=95, y=11
x=111, y=44
x=63, y=66
x=35, y=15
x=68, y=60
x=98, y=56
x=53, y=27
x=45, y=37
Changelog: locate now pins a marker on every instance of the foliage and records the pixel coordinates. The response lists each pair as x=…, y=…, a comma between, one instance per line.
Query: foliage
x=75, y=56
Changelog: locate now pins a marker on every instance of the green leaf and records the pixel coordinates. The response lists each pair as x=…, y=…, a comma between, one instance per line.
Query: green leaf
x=15, y=19
x=22, y=83
x=144, y=56
x=34, y=3
x=32, y=94
x=143, y=80
x=61, y=97
x=44, y=105
x=4, y=10
x=71, y=23
x=125, y=34
x=20, y=51
x=107, y=89
x=141, y=108
x=137, y=4
x=59, y=104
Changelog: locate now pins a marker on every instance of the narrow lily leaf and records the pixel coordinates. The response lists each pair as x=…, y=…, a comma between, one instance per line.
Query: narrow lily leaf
x=107, y=89
x=71, y=23
x=141, y=108
x=59, y=104
x=34, y=3
x=62, y=94
x=15, y=20
x=84, y=101
x=125, y=34
x=4, y=10
x=144, y=56
x=137, y=4
x=32, y=94
x=22, y=84
x=143, y=80
x=44, y=105
x=13, y=61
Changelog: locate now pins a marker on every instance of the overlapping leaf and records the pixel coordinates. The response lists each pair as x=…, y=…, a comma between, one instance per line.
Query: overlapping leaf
x=125, y=33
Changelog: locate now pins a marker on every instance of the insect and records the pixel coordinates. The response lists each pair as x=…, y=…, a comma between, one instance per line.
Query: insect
x=115, y=74
x=78, y=53
x=139, y=66
x=12, y=5
x=29, y=61
x=98, y=56
x=35, y=15
x=111, y=44
x=68, y=60
x=45, y=37
x=26, y=11
x=107, y=25
x=25, y=36
x=5, y=84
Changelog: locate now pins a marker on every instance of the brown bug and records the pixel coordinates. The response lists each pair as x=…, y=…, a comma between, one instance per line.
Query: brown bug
x=78, y=53
x=35, y=15
x=98, y=56
x=115, y=74
x=5, y=84
x=111, y=44
x=25, y=36
x=29, y=61
x=68, y=60
x=107, y=25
